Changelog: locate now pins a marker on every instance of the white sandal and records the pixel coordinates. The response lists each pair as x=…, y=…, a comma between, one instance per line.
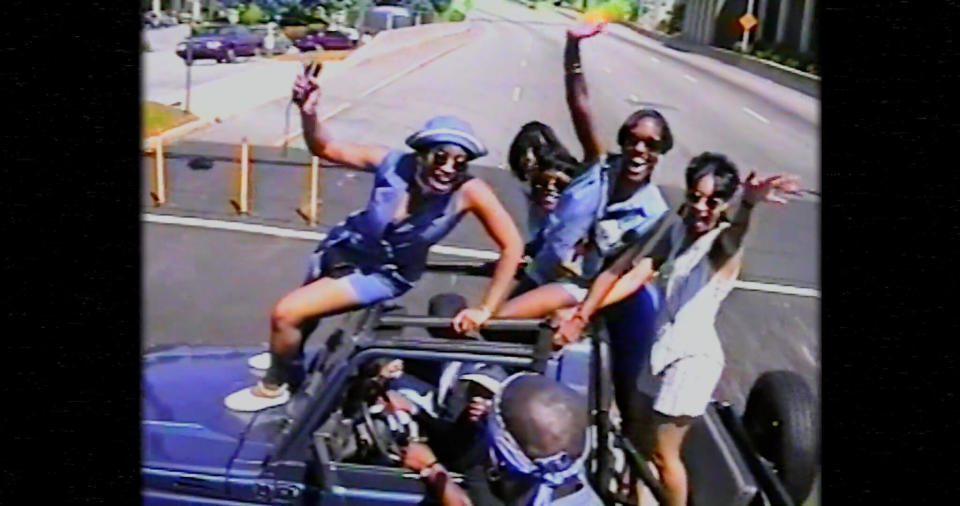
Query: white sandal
x=257, y=398
x=260, y=361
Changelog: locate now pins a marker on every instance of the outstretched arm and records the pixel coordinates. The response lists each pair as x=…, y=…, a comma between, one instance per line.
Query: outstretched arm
x=728, y=249
x=624, y=277
x=500, y=226
x=576, y=87
x=306, y=93
x=420, y=458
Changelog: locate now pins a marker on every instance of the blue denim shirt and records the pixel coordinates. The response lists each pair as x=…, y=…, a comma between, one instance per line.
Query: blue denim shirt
x=584, y=229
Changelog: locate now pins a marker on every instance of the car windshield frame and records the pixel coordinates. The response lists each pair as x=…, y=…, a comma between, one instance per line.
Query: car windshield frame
x=312, y=405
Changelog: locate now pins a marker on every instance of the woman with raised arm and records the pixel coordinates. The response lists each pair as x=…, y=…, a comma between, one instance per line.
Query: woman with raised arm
x=608, y=203
x=698, y=259
x=378, y=253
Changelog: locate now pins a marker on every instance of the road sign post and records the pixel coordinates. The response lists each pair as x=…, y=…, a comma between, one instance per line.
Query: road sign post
x=189, y=62
x=747, y=21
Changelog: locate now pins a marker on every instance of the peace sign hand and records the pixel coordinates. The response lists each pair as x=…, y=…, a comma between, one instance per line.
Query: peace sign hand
x=769, y=189
x=306, y=88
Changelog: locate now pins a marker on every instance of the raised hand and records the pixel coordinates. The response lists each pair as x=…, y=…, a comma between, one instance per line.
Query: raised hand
x=770, y=189
x=585, y=30
x=306, y=88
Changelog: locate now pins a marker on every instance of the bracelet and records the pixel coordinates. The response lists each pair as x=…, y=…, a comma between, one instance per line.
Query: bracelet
x=574, y=68
x=486, y=312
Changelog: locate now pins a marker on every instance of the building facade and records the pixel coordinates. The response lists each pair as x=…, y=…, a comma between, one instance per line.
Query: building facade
x=790, y=23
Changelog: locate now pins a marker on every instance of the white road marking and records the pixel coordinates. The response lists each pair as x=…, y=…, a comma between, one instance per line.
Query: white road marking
x=634, y=99
x=516, y=94
x=654, y=59
x=310, y=235
x=689, y=78
x=808, y=355
x=772, y=288
x=523, y=63
x=375, y=88
x=607, y=70
x=755, y=115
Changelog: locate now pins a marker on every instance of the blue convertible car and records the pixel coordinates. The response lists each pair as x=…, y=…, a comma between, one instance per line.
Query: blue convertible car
x=329, y=446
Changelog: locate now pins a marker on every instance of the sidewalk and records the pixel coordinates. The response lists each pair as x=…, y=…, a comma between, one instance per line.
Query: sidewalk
x=270, y=79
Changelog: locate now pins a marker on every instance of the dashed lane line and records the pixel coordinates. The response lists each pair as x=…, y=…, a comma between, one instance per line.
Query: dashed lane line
x=755, y=115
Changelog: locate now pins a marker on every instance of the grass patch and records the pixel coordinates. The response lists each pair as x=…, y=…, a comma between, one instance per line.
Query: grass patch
x=158, y=118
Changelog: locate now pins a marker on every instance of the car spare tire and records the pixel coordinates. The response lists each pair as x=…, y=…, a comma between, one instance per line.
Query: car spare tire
x=781, y=420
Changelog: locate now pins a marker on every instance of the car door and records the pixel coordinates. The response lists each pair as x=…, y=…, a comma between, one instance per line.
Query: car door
x=367, y=485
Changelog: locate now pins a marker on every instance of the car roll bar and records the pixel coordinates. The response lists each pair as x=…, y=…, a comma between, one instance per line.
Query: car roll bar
x=437, y=322
x=542, y=347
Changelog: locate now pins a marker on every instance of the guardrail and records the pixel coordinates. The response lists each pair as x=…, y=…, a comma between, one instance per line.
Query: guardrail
x=240, y=198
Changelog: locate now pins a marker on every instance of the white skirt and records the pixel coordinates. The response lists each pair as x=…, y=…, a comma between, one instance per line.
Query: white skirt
x=684, y=388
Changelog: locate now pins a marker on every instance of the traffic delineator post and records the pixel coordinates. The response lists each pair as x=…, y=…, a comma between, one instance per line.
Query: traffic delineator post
x=313, y=199
x=242, y=202
x=159, y=195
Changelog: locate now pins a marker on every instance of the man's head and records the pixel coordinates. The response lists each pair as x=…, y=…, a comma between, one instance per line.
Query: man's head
x=537, y=434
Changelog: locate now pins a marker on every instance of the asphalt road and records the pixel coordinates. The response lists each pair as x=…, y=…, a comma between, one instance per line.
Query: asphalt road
x=217, y=287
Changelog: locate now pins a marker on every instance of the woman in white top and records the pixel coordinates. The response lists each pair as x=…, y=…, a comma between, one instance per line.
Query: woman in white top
x=698, y=259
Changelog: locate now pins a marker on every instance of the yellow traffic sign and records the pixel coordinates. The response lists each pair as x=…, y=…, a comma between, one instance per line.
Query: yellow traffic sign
x=748, y=22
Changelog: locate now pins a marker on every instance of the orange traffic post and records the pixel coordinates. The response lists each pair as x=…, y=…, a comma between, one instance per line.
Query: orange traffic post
x=314, y=200
x=242, y=203
x=160, y=194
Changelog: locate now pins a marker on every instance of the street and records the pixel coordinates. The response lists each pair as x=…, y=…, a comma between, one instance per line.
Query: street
x=210, y=286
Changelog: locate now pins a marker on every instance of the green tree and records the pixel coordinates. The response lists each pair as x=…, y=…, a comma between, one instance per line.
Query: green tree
x=251, y=14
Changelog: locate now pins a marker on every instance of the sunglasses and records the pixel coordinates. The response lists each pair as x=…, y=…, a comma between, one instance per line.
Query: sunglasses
x=711, y=202
x=655, y=145
x=438, y=156
x=557, y=179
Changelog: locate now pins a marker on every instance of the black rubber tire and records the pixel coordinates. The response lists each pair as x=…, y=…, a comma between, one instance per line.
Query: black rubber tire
x=781, y=420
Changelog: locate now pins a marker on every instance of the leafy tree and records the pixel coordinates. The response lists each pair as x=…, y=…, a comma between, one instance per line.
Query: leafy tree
x=251, y=14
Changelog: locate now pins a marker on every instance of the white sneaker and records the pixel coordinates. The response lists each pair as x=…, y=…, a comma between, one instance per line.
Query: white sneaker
x=257, y=398
x=260, y=361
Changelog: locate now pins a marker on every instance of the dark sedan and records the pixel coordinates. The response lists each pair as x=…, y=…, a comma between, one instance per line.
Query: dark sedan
x=329, y=39
x=222, y=43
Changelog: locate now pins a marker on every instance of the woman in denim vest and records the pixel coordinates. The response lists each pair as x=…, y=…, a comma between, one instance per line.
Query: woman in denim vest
x=601, y=210
x=378, y=253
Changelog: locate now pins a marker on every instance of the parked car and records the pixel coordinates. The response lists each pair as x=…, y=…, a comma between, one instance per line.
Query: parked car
x=328, y=445
x=154, y=20
x=221, y=43
x=281, y=43
x=327, y=39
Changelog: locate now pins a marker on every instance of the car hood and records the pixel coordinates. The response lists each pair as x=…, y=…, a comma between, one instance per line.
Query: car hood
x=185, y=425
